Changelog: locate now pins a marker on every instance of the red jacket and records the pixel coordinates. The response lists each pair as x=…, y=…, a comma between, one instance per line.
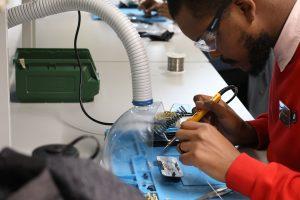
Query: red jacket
x=280, y=179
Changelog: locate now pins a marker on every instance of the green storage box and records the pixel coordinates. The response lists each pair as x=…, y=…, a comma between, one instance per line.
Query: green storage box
x=52, y=75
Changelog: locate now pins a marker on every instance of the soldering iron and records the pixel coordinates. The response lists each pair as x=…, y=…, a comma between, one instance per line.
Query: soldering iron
x=200, y=114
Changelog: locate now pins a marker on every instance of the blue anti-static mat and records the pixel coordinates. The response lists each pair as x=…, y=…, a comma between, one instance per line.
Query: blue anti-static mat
x=135, y=164
x=139, y=14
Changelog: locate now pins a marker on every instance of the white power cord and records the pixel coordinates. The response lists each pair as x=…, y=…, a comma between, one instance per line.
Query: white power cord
x=217, y=194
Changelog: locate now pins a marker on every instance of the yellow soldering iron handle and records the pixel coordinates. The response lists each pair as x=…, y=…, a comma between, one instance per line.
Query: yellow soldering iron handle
x=200, y=114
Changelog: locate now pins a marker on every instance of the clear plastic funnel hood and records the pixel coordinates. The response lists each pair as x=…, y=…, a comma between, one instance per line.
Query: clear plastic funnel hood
x=130, y=136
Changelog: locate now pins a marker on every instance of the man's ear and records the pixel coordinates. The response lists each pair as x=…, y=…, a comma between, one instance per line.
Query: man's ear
x=247, y=7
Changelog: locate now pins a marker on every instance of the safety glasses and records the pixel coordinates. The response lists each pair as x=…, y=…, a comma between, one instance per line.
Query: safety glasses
x=208, y=41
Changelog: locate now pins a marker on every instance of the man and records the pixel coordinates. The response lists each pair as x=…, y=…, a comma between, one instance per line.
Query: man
x=253, y=89
x=244, y=32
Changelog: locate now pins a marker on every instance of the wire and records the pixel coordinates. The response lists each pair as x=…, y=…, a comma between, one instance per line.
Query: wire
x=217, y=194
x=226, y=89
x=81, y=74
x=76, y=140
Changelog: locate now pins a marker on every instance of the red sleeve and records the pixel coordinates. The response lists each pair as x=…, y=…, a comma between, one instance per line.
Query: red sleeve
x=258, y=180
x=261, y=126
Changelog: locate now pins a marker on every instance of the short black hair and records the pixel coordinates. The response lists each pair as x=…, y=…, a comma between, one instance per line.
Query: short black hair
x=199, y=8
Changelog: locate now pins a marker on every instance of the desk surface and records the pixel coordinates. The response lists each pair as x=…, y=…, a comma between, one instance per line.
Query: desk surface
x=58, y=31
x=38, y=124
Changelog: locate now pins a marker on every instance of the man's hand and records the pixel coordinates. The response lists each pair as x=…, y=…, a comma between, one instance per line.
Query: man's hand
x=148, y=5
x=220, y=115
x=203, y=146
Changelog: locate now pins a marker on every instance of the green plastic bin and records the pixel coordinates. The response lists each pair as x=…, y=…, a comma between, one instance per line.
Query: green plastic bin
x=52, y=75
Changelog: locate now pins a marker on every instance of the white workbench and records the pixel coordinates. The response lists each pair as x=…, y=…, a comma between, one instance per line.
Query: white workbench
x=58, y=31
x=38, y=124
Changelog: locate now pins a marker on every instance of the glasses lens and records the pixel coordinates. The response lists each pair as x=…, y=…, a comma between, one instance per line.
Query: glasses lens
x=208, y=43
x=201, y=44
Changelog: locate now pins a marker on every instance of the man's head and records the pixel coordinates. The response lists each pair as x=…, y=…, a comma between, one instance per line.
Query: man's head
x=241, y=34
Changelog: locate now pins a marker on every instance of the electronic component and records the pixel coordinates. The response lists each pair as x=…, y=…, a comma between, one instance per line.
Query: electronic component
x=169, y=166
x=158, y=141
x=152, y=196
x=166, y=120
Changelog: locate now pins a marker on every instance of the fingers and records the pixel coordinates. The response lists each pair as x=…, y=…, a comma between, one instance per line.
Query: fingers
x=179, y=149
x=148, y=5
x=184, y=147
x=194, y=110
x=205, y=98
x=218, y=109
x=208, y=118
x=184, y=135
x=186, y=158
x=187, y=130
x=142, y=5
x=155, y=6
x=190, y=125
x=201, y=97
x=204, y=102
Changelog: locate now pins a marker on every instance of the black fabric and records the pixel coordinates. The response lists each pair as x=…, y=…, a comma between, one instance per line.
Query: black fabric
x=58, y=178
x=16, y=170
x=35, y=189
x=164, y=37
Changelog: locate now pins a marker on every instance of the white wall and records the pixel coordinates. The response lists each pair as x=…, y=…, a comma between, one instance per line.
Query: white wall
x=14, y=40
x=8, y=46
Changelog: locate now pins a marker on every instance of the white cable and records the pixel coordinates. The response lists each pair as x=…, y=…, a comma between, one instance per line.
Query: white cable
x=214, y=190
x=141, y=83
